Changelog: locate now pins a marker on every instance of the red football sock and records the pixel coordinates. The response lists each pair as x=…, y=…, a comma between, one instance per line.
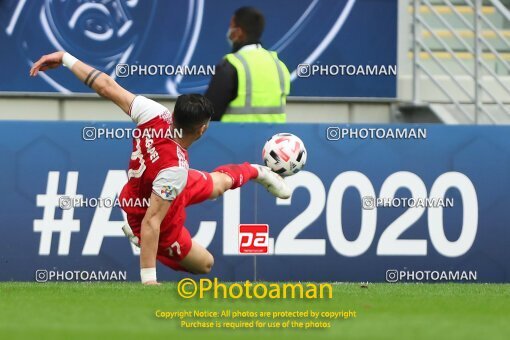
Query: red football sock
x=240, y=173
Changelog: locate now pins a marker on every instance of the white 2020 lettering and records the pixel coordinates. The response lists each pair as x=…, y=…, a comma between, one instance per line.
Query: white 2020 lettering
x=390, y=243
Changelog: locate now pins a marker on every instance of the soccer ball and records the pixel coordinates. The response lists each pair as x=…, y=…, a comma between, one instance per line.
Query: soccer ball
x=285, y=154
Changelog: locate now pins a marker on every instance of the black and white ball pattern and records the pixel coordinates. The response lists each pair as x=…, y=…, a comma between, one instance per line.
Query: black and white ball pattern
x=285, y=154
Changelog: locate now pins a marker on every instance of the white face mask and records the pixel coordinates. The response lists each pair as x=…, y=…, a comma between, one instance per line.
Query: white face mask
x=229, y=40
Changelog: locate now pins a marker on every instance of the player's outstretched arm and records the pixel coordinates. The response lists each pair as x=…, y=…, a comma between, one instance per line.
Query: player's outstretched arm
x=150, y=238
x=103, y=84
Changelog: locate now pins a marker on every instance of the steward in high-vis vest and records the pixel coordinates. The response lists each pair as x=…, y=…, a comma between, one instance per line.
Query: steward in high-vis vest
x=251, y=84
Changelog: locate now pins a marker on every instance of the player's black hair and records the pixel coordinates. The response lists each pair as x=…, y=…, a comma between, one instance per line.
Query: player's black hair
x=251, y=21
x=191, y=111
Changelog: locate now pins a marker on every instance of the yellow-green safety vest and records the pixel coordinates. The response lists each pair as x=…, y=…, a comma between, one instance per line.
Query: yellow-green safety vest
x=263, y=85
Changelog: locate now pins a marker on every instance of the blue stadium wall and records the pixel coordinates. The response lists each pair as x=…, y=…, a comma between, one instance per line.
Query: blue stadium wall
x=317, y=33
x=322, y=233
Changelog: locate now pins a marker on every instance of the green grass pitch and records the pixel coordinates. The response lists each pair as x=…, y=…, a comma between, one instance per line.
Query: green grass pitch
x=126, y=311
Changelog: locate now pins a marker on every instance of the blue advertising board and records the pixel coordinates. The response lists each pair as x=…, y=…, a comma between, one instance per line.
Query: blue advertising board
x=333, y=48
x=347, y=219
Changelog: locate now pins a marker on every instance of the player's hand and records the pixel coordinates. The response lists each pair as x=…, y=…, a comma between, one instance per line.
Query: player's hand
x=152, y=283
x=47, y=62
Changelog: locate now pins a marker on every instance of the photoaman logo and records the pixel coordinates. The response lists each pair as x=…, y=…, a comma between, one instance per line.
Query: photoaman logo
x=188, y=288
x=253, y=238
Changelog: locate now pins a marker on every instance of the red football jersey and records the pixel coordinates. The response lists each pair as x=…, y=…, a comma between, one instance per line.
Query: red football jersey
x=158, y=164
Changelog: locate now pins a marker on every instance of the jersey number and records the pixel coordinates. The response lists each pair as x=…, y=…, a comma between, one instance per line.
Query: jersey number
x=137, y=154
x=177, y=247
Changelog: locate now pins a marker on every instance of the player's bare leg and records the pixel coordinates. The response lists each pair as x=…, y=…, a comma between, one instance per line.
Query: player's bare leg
x=198, y=261
x=221, y=183
x=232, y=176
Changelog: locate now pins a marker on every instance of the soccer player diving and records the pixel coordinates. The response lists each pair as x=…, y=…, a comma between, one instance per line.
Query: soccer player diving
x=159, y=171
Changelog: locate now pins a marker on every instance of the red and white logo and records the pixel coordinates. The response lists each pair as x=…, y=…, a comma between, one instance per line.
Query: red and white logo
x=253, y=238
